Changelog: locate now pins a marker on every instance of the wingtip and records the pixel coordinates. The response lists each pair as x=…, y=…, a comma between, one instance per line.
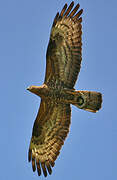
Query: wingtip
x=72, y=3
x=44, y=169
x=65, y=7
x=33, y=165
x=81, y=10
x=29, y=155
x=77, y=16
x=38, y=167
x=63, y=10
x=49, y=167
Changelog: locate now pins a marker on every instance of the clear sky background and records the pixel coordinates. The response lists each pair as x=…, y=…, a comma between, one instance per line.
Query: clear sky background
x=90, y=151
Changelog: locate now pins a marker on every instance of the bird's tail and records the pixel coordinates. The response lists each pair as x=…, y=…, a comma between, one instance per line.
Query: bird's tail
x=87, y=100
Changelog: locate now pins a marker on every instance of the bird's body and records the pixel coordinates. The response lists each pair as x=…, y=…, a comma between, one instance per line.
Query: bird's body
x=63, y=61
x=62, y=95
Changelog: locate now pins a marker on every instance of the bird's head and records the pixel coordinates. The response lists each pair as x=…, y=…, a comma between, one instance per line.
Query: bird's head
x=38, y=90
x=33, y=89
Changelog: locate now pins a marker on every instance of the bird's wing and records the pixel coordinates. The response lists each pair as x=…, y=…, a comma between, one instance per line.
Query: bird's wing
x=49, y=132
x=63, y=58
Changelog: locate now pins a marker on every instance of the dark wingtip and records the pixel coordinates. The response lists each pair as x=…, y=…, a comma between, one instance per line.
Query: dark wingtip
x=29, y=155
x=78, y=14
x=72, y=4
x=33, y=165
x=63, y=10
x=56, y=18
x=38, y=168
x=49, y=167
x=74, y=10
x=52, y=163
x=44, y=169
x=69, y=9
x=65, y=6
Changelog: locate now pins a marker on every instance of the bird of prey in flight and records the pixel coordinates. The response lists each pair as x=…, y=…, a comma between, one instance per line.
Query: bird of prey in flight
x=63, y=62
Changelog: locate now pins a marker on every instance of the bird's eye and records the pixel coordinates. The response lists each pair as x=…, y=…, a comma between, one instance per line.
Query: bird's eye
x=80, y=100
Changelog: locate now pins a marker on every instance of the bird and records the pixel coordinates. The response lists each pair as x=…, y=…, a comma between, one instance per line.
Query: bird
x=57, y=93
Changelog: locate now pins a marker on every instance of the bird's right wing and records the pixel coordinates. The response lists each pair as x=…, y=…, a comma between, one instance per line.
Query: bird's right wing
x=49, y=132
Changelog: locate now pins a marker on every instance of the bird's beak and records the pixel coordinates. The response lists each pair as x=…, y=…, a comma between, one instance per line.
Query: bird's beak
x=28, y=88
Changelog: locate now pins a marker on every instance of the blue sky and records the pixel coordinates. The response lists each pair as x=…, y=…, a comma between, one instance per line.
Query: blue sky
x=90, y=151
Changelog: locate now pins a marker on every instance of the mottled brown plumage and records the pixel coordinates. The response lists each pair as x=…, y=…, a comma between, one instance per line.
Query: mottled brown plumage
x=63, y=61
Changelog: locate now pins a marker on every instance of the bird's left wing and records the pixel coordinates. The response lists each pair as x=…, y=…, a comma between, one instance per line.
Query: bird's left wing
x=49, y=132
x=64, y=52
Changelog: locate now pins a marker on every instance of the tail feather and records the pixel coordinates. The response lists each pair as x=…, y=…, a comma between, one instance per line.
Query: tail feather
x=88, y=100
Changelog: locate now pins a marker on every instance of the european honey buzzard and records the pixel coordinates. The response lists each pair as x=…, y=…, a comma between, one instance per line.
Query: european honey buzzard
x=63, y=61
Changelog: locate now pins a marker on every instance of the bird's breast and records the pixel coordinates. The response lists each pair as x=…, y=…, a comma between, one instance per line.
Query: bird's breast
x=57, y=95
